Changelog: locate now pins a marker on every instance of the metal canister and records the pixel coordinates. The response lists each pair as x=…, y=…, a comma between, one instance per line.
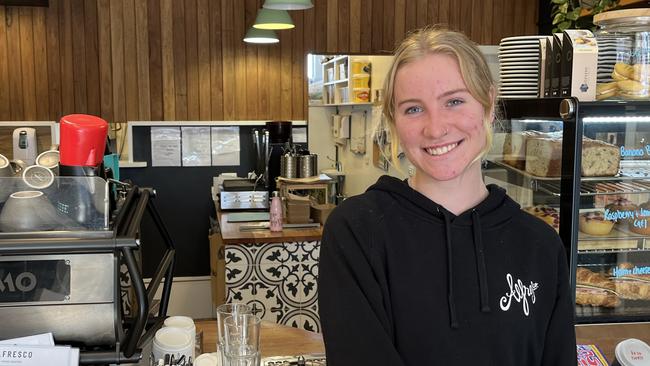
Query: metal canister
x=307, y=165
x=288, y=166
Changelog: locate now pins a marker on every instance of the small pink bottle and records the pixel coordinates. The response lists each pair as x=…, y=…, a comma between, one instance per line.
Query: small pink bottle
x=275, y=215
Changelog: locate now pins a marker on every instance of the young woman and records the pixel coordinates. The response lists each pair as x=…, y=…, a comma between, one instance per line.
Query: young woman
x=440, y=269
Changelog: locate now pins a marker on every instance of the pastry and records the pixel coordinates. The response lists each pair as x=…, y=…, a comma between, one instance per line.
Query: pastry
x=623, y=71
x=631, y=289
x=632, y=80
x=595, y=223
x=640, y=224
x=544, y=157
x=631, y=282
x=548, y=214
x=595, y=289
x=606, y=90
x=621, y=211
x=586, y=295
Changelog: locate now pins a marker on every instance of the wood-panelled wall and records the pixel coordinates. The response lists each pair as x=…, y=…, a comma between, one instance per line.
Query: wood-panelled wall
x=185, y=59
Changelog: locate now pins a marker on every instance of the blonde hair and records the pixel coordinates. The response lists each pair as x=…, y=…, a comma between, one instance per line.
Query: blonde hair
x=473, y=69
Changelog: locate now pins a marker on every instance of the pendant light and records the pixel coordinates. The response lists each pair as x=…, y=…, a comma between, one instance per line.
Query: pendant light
x=273, y=19
x=255, y=35
x=288, y=4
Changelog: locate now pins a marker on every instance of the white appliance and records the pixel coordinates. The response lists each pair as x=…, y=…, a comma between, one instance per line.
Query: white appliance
x=25, y=147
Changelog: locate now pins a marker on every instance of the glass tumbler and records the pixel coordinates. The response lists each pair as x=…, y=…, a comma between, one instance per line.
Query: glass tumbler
x=224, y=311
x=242, y=340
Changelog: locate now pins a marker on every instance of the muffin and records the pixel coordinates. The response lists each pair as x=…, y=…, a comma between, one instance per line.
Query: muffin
x=594, y=223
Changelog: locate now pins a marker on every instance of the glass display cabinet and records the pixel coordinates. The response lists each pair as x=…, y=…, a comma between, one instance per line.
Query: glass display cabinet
x=584, y=168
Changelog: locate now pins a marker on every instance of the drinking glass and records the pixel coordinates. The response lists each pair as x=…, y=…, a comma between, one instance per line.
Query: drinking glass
x=242, y=340
x=224, y=311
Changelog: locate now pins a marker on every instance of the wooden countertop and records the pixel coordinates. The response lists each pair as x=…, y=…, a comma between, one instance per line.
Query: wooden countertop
x=280, y=340
x=607, y=336
x=275, y=339
x=232, y=235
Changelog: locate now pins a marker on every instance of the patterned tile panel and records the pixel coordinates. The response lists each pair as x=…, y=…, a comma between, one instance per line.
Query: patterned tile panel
x=277, y=279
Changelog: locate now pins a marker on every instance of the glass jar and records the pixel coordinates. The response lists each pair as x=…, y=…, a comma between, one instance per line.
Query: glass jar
x=623, y=54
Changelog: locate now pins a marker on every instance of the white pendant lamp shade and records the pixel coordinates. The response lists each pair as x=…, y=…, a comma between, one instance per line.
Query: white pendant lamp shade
x=288, y=4
x=273, y=19
x=261, y=36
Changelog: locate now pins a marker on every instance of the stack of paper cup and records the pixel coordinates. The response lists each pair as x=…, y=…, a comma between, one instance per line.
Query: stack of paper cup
x=186, y=324
x=173, y=341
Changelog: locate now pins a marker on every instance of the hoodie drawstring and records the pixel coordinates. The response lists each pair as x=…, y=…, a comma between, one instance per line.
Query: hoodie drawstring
x=480, y=268
x=450, y=283
x=480, y=262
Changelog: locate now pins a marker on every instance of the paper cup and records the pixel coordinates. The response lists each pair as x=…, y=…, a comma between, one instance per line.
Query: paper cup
x=173, y=341
x=183, y=322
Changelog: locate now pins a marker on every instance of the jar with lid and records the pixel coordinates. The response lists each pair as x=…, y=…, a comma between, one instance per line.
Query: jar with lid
x=623, y=54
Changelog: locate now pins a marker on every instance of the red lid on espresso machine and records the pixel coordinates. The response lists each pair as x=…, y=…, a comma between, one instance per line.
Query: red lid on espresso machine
x=82, y=140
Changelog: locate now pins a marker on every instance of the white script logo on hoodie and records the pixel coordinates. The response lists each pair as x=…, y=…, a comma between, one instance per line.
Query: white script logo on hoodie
x=520, y=293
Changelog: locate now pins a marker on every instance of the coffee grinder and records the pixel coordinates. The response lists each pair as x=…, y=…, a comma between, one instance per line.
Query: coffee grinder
x=280, y=136
x=82, y=147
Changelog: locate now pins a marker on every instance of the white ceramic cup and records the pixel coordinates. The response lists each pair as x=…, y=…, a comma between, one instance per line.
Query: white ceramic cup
x=187, y=324
x=174, y=341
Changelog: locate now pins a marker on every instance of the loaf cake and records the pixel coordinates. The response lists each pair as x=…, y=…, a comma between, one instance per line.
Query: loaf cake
x=514, y=148
x=544, y=157
x=548, y=214
x=594, y=223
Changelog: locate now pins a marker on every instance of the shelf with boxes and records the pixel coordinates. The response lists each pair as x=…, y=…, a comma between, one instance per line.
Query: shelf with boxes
x=346, y=80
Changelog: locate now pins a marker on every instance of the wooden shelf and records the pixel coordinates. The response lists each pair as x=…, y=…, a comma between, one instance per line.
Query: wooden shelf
x=342, y=81
x=621, y=4
x=339, y=104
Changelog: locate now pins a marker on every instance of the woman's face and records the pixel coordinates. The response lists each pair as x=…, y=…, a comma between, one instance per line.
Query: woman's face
x=439, y=123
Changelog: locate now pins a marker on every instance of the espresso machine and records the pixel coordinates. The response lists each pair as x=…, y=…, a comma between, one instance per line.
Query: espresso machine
x=70, y=264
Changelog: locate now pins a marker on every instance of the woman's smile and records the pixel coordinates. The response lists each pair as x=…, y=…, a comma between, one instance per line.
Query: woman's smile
x=440, y=150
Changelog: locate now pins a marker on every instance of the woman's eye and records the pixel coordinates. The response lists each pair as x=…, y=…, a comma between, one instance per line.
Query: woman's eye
x=414, y=109
x=455, y=102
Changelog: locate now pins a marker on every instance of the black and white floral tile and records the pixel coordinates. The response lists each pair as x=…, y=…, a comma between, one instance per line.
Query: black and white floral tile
x=279, y=280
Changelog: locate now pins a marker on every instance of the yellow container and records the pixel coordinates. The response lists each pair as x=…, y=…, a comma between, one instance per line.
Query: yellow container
x=360, y=67
x=361, y=95
x=361, y=81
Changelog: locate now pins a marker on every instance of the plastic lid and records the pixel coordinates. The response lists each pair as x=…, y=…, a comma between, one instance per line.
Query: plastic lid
x=633, y=352
x=184, y=322
x=207, y=359
x=38, y=177
x=622, y=16
x=172, y=339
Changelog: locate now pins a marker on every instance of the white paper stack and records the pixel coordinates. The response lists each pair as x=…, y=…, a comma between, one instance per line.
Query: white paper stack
x=37, y=350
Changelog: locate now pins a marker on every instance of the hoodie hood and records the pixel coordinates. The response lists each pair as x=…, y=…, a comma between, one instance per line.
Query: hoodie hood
x=496, y=209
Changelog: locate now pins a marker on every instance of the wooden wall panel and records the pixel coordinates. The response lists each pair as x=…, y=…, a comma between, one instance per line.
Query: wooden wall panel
x=185, y=59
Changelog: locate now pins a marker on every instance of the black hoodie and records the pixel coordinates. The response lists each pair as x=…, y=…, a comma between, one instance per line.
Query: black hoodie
x=403, y=281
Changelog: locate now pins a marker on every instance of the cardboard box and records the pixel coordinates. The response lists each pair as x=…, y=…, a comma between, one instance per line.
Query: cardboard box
x=320, y=212
x=556, y=68
x=579, y=65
